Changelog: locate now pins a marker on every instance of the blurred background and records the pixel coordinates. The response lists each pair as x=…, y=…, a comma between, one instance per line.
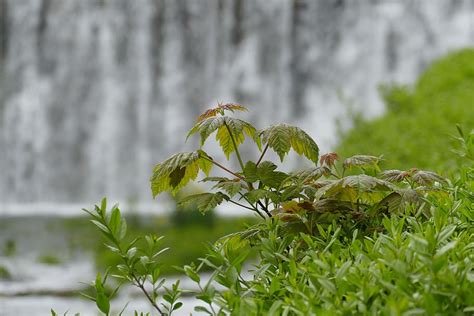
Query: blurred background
x=94, y=93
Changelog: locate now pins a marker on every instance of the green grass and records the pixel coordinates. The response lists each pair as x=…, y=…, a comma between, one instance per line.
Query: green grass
x=417, y=127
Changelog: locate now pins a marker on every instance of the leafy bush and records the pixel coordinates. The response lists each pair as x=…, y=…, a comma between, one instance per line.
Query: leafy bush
x=346, y=238
x=416, y=127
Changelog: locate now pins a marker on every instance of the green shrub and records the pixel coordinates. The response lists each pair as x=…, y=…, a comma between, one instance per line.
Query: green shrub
x=333, y=240
x=416, y=129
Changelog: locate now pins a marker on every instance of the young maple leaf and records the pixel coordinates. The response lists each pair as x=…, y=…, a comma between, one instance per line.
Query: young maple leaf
x=220, y=109
x=329, y=159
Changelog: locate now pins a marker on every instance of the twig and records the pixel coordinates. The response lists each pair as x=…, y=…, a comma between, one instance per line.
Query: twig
x=261, y=156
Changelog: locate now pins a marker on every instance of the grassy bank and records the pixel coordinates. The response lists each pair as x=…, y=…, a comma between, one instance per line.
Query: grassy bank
x=187, y=240
x=416, y=129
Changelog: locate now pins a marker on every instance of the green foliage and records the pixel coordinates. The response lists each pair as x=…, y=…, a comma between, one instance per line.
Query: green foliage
x=336, y=239
x=416, y=127
x=205, y=202
x=282, y=137
x=172, y=174
x=175, y=172
x=413, y=264
x=230, y=132
x=139, y=263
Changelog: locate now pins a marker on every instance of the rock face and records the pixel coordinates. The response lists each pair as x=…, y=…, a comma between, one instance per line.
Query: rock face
x=94, y=92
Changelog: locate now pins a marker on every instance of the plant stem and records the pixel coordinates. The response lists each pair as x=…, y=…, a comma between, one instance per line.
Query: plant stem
x=130, y=268
x=261, y=156
x=153, y=303
x=254, y=208
x=241, y=205
x=264, y=208
x=225, y=169
x=235, y=146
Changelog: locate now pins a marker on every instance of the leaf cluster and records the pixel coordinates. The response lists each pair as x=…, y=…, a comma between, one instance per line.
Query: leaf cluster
x=414, y=266
x=357, y=196
x=139, y=264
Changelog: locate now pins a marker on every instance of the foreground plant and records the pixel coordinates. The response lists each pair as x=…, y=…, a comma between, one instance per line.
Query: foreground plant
x=419, y=262
x=340, y=238
x=140, y=266
x=302, y=199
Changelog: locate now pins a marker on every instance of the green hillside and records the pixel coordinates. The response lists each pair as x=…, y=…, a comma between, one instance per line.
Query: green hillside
x=417, y=127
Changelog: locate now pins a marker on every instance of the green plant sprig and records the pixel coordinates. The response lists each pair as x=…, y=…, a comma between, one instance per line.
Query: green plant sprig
x=139, y=262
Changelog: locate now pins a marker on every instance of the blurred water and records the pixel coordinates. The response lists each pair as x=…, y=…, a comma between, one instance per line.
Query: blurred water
x=41, y=306
x=35, y=286
x=93, y=93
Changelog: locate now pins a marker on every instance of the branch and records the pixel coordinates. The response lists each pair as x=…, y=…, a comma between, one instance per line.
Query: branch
x=235, y=146
x=253, y=208
x=241, y=205
x=224, y=168
x=263, y=154
x=153, y=303
x=130, y=268
x=264, y=209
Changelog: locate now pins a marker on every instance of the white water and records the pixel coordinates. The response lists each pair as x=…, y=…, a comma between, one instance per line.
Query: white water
x=34, y=287
x=94, y=93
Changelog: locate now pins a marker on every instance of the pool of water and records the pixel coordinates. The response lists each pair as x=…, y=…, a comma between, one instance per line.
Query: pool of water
x=46, y=270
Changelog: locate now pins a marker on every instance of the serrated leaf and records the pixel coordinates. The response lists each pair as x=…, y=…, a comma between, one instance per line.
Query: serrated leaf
x=353, y=187
x=220, y=109
x=392, y=202
x=175, y=172
x=226, y=141
x=309, y=175
x=329, y=159
x=205, y=202
x=215, y=179
x=229, y=130
x=394, y=175
x=427, y=177
x=361, y=161
x=230, y=187
x=250, y=172
x=291, y=192
x=282, y=137
x=267, y=175
x=331, y=206
x=409, y=196
x=256, y=195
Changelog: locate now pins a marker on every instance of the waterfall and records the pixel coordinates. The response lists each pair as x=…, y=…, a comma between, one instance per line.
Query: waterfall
x=93, y=93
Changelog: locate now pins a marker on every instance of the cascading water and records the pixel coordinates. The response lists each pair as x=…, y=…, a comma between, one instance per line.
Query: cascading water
x=94, y=92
